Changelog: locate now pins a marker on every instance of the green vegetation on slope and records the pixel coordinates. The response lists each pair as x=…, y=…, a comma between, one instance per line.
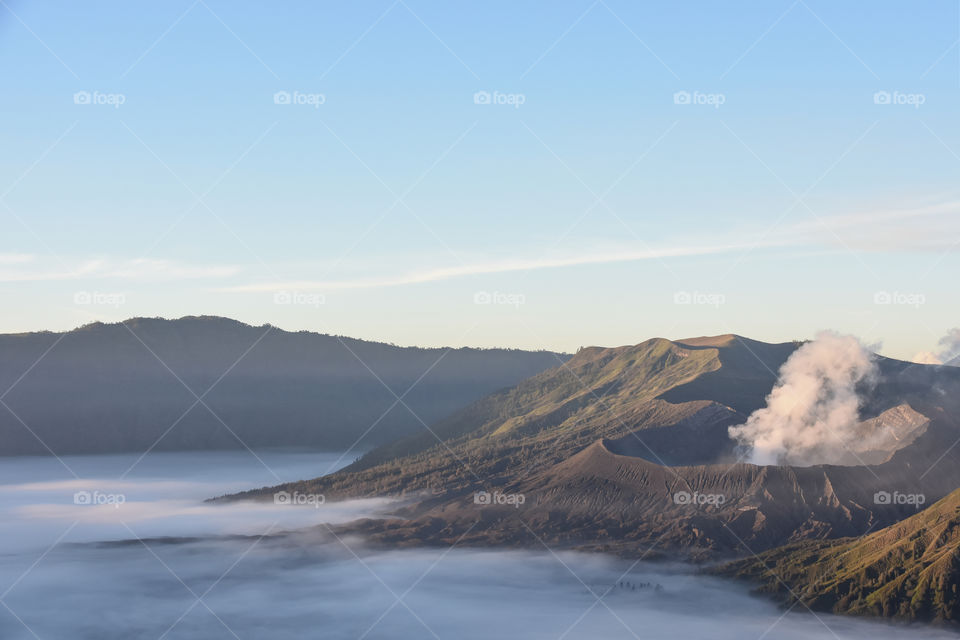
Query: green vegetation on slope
x=599, y=393
x=910, y=570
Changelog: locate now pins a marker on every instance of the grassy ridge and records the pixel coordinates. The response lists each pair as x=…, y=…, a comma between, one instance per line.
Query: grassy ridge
x=599, y=393
x=910, y=570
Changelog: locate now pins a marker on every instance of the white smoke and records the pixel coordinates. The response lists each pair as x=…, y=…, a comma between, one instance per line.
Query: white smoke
x=948, y=354
x=812, y=412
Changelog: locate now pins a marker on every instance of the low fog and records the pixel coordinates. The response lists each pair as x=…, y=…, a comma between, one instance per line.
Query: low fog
x=309, y=583
x=162, y=494
x=312, y=585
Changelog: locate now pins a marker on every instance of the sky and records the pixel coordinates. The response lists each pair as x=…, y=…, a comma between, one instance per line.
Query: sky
x=535, y=175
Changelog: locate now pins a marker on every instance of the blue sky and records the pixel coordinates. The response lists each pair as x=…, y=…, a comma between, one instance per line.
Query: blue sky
x=668, y=169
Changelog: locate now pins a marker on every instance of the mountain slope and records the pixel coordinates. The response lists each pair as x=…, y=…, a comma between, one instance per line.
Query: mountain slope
x=604, y=448
x=541, y=421
x=597, y=388
x=909, y=570
x=120, y=387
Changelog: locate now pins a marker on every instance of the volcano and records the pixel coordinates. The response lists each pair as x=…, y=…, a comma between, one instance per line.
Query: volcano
x=627, y=449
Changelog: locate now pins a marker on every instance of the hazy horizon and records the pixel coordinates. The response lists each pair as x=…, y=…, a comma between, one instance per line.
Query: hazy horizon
x=375, y=339
x=916, y=357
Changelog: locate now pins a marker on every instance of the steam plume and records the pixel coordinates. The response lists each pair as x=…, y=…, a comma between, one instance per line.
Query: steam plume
x=812, y=412
x=949, y=354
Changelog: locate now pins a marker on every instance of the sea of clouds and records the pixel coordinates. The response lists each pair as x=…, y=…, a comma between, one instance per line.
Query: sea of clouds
x=112, y=571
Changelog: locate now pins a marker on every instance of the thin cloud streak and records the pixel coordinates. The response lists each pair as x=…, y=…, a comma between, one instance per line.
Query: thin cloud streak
x=16, y=258
x=141, y=269
x=872, y=230
x=888, y=229
x=868, y=231
x=502, y=266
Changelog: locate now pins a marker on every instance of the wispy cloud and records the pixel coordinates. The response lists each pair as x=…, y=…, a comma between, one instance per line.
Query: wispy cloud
x=495, y=266
x=30, y=268
x=875, y=230
x=949, y=352
x=15, y=258
x=872, y=230
x=886, y=229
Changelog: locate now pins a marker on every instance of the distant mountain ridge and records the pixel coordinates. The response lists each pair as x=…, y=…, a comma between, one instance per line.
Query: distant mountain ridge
x=126, y=386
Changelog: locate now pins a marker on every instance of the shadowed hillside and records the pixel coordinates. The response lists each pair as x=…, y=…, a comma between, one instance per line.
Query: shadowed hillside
x=120, y=387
